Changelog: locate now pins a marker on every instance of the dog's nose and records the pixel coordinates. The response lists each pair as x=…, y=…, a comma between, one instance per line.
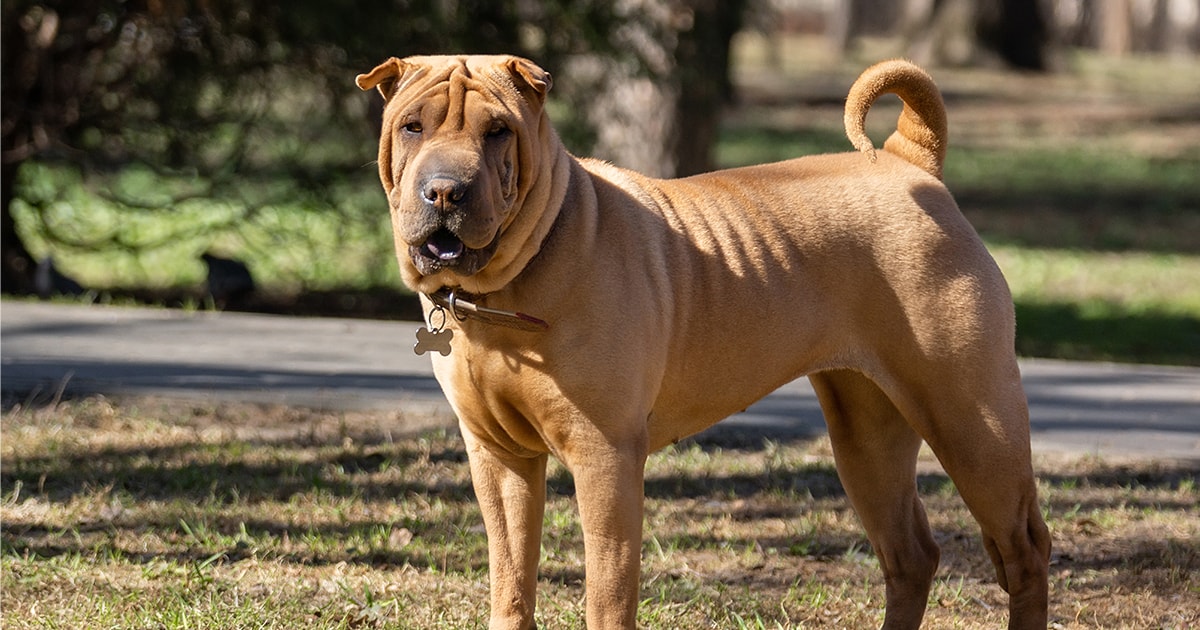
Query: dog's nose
x=443, y=192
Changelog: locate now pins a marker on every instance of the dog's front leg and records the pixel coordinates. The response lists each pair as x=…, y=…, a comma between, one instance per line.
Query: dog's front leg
x=609, y=488
x=511, y=491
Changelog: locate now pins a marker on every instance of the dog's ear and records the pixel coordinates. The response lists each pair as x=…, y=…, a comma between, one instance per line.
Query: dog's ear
x=530, y=79
x=383, y=77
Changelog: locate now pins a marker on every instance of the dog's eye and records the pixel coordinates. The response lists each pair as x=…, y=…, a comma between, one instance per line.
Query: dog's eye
x=498, y=129
x=413, y=127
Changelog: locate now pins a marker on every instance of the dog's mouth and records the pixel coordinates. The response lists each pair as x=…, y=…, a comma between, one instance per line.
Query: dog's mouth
x=444, y=250
x=444, y=247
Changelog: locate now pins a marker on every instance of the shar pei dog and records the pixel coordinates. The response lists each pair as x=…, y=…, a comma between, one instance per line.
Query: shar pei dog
x=588, y=312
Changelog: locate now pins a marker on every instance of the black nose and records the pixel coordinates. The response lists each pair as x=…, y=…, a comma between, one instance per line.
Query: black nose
x=444, y=192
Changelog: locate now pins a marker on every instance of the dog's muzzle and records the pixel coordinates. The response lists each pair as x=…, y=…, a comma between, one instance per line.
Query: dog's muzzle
x=443, y=251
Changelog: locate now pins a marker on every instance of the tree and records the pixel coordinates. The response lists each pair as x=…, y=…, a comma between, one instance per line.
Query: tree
x=181, y=106
x=1016, y=30
x=43, y=77
x=705, y=85
x=1114, y=26
x=653, y=91
x=954, y=31
x=190, y=91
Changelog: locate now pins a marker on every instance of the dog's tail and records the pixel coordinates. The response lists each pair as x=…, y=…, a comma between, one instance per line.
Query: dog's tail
x=920, y=135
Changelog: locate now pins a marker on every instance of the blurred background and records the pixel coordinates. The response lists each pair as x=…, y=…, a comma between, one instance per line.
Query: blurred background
x=216, y=153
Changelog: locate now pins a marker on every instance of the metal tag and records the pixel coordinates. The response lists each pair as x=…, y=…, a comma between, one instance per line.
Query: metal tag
x=435, y=337
x=437, y=340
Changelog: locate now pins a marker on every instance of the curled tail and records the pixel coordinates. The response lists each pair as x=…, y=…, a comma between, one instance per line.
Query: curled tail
x=920, y=135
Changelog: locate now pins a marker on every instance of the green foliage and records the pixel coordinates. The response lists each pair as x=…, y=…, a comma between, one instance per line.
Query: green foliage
x=151, y=134
x=295, y=241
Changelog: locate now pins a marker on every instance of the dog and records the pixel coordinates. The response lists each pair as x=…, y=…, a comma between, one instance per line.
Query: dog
x=591, y=313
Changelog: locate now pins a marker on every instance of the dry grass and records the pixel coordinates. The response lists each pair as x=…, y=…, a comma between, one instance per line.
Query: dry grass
x=170, y=516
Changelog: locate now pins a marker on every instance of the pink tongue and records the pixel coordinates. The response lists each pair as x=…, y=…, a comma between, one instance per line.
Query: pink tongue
x=445, y=248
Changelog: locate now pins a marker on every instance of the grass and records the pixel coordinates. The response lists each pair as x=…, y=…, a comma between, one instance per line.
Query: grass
x=1089, y=305
x=156, y=514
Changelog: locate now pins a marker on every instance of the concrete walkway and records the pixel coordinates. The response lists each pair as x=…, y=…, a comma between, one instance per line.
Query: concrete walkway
x=1076, y=408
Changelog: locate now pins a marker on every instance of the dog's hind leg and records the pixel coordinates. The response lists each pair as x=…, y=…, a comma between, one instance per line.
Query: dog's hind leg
x=977, y=423
x=876, y=454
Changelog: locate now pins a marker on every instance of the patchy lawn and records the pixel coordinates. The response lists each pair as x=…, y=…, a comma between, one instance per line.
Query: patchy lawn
x=160, y=515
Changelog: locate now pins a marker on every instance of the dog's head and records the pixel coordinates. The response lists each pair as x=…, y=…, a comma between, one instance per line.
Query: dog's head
x=461, y=148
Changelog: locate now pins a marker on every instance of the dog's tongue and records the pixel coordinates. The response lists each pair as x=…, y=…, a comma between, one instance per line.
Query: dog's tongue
x=445, y=246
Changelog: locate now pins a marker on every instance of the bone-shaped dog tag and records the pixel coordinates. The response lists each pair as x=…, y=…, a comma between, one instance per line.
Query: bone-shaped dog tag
x=433, y=341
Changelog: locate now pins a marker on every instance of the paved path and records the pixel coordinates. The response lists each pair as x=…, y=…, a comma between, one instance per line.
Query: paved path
x=1103, y=409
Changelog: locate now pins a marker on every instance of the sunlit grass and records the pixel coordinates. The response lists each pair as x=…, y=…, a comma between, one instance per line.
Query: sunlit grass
x=175, y=516
x=1134, y=282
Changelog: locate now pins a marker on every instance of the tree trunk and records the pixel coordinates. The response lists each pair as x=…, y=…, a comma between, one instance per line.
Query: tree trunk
x=1114, y=26
x=955, y=31
x=940, y=32
x=1017, y=30
x=16, y=265
x=655, y=105
x=846, y=24
x=705, y=86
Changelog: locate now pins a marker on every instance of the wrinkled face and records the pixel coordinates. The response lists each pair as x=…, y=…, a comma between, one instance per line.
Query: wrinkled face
x=455, y=136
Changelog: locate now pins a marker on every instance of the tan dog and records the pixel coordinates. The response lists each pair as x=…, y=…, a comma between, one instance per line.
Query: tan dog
x=672, y=304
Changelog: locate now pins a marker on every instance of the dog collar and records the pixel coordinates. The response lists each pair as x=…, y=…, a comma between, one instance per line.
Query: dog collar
x=464, y=306
x=435, y=336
